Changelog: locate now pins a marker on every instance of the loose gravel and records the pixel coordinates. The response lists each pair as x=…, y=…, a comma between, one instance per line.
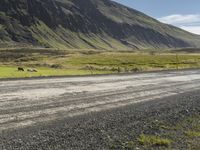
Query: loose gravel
x=105, y=129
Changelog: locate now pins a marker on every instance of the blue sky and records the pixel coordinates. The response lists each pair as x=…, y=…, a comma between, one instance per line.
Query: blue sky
x=182, y=13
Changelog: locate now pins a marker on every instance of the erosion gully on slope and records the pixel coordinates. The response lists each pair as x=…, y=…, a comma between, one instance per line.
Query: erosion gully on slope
x=26, y=102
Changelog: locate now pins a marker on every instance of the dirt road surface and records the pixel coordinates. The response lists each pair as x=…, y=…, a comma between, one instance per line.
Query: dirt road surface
x=31, y=102
x=26, y=102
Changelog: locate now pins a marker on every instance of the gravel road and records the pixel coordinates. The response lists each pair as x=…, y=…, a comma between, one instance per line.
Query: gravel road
x=73, y=112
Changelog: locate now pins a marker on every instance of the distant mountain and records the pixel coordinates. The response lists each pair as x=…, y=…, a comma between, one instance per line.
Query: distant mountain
x=95, y=24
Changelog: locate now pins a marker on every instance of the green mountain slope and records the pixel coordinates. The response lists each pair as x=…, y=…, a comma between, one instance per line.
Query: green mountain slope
x=95, y=24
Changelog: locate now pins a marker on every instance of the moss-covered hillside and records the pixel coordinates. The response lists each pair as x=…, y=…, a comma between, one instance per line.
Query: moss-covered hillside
x=91, y=24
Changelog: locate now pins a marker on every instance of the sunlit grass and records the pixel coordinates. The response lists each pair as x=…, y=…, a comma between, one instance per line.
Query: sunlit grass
x=12, y=72
x=153, y=140
x=132, y=59
x=90, y=62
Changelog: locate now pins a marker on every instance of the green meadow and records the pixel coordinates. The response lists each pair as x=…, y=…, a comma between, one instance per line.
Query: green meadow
x=49, y=62
x=12, y=72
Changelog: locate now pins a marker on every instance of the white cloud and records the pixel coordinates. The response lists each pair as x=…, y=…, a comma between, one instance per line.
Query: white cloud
x=190, y=22
x=181, y=19
x=192, y=29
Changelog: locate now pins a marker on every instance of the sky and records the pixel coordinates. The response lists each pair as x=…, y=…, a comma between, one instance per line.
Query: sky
x=181, y=13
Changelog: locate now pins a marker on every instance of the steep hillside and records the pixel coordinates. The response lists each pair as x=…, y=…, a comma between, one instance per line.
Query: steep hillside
x=96, y=24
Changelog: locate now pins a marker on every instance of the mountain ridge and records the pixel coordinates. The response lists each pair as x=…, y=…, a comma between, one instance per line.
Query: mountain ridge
x=91, y=24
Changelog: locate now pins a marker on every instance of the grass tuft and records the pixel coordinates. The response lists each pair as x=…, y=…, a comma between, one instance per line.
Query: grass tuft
x=192, y=134
x=153, y=141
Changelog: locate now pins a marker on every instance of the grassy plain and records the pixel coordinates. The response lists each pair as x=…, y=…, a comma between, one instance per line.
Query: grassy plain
x=50, y=62
x=11, y=72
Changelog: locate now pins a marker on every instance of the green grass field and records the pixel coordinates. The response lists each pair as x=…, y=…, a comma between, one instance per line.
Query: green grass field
x=12, y=72
x=130, y=61
x=50, y=62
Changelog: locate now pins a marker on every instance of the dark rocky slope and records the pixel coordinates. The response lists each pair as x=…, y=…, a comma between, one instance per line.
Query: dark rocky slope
x=99, y=24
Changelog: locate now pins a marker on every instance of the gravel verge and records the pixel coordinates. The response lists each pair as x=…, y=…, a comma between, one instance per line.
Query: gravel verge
x=107, y=129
